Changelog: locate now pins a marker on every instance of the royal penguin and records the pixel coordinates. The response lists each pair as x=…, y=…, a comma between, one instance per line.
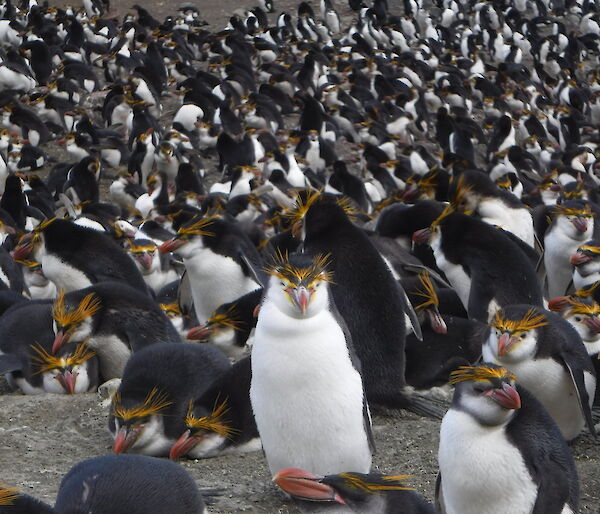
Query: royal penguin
x=115, y=319
x=220, y=261
x=221, y=421
x=362, y=493
x=230, y=327
x=365, y=293
x=485, y=266
x=307, y=394
x=75, y=257
x=159, y=382
x=548, y=356
x=475, y=193
x=27, y=359
x=500, y=452
x=13, y=501
x=128, y=484
x=571, y=225
x=586, y=264
x=154, y=266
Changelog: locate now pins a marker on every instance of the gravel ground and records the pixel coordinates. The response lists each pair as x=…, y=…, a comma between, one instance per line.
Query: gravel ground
x=42, y=437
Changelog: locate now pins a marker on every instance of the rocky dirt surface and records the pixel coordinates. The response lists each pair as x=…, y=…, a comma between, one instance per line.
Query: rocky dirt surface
x=42, y=437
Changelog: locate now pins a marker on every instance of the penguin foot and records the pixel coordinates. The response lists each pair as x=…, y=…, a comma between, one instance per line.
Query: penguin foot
x=427, y=407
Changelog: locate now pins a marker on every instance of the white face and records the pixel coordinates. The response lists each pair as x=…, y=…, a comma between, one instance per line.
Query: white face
x=580, y=323
x=52, y=385
x=483, y=408
x=522, y=346
x=285, y=296
x=190, y=248
x=77, y=333
x=565, y=223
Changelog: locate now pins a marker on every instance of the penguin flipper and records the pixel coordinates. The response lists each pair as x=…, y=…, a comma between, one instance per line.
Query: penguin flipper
x=419, y=268
x=185, y=299
x=410, y=312
x=479, y=300
x=255, y=270
x=553, y=489
x=582, y=395
x=9, y=362
x=439, y=495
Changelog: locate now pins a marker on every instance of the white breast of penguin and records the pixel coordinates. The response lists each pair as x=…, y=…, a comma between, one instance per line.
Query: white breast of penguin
x=306, y=395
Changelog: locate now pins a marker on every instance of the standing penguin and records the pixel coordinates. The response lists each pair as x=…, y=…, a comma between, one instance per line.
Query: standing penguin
x=548, y=356
x=159, y=381
x=117, y=319
x=306, y=390
x=219, y=259
x=75, y=257
x=368, y=298
x=483, y=264
x=586, y=262
x=500, y=452
x=572, y=225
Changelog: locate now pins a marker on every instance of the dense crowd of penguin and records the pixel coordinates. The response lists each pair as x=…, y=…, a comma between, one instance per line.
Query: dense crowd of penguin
x=253, y=234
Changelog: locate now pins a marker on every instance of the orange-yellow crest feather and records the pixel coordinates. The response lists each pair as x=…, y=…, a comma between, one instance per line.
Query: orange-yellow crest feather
x=531, y=320
x=214, y=422
x=479, y=374
x=45, y=361
x=68, y=317
x=154, y=403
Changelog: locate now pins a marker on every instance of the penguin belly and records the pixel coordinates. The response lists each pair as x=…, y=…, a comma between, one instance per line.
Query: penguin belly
x=559, y=270
x=482, y=471
x=306, y=395
x=216, y=279
x=64, y=275
x=112, y=353
x=552, y=386
x=517, y=221
x=455, y=273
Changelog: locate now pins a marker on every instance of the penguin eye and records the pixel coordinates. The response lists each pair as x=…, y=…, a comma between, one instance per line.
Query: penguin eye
x=523, y=335
x=578, y=318
x=282, y=284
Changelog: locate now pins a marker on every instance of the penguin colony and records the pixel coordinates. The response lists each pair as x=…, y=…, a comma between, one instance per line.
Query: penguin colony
x=348, y=214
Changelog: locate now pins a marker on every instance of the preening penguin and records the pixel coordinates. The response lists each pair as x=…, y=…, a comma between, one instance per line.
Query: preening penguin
x=306, y=389
x=500, y=452
x=548, y=356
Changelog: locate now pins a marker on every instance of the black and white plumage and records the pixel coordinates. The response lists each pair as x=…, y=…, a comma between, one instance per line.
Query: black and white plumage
x=500, y=451
x=307, y=394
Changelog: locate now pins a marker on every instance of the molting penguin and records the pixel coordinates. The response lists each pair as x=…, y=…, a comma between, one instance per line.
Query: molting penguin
x=128, y=484
x=365, y=292
x=500, y=452
x=483, y=264
x=362, y=493
x=219, y=259
x=307, y=394
x=220, y=421
x=75, y=257
x=159, y=382
x=549, y=358
x=117, y=319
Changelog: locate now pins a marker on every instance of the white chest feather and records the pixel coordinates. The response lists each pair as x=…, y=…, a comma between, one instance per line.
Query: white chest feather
x=553, y=387
x=306, y=395
x=482, y=471
x=112, y=353
x=517, y=221
x=63, y=274
x=215, y=279
x=455, y=273
x=152, y=440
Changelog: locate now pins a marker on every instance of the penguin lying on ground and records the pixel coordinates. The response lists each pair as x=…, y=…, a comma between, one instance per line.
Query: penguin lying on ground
x=12, y=501
x=117, y=320
x=500, y=452
x=362, y=493
x=159, y=382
